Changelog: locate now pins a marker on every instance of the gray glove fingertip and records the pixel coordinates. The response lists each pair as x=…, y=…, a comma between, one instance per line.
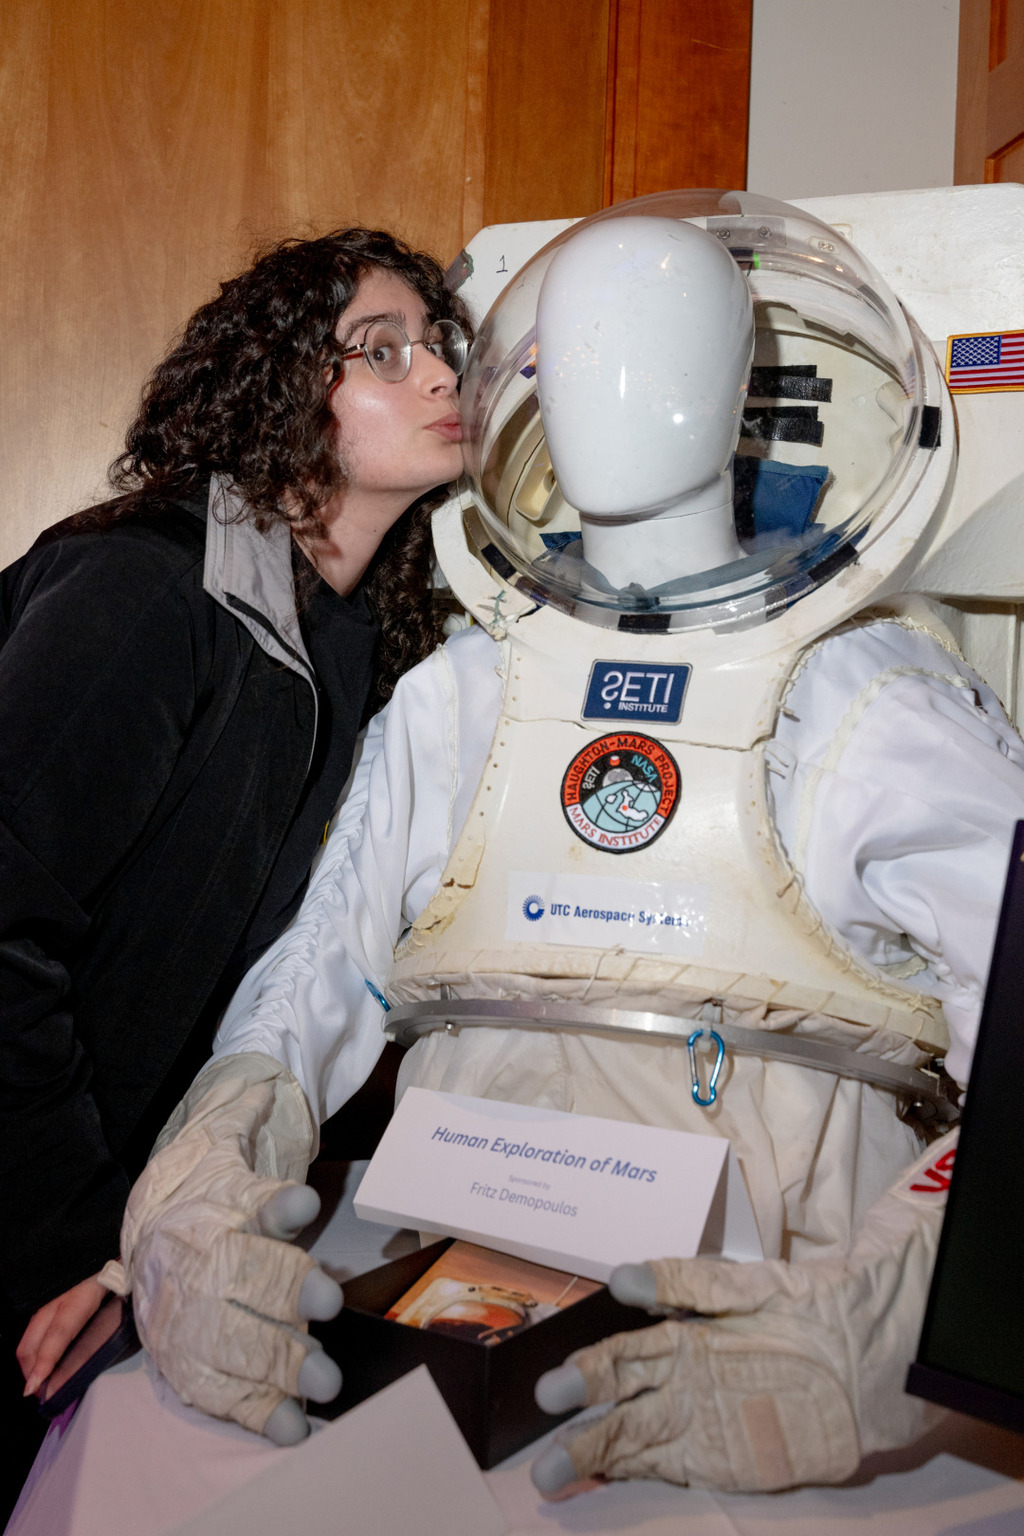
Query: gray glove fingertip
x=560, y=1390
x=634, y=1285
x=553, y=1470
x=287, y=1212
x=319, y=1377
x=287, y=1424
x=320, y=1298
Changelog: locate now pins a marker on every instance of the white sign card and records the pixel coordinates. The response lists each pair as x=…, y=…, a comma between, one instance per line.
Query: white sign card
x=343, y=1477
x=600, y=911
x=570, y=1191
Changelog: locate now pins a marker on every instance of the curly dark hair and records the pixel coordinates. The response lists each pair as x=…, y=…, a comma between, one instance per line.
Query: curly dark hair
x=245, y=392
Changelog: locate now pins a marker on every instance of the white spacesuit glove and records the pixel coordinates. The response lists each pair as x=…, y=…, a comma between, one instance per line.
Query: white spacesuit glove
x=221, y=1296
x=797, y=1377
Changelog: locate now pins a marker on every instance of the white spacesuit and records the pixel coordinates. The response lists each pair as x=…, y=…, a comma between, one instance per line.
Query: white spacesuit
x=698, y=791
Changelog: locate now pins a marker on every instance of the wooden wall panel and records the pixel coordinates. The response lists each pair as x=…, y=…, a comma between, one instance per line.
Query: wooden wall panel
x=546, y=91
x=680, y=88
x=990, y=92
x=146, y=146
x=1004, y=110
x=971, y=91
x=1008, y=165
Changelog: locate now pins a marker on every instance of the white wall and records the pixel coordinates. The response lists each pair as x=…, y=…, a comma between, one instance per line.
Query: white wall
x=852, y=96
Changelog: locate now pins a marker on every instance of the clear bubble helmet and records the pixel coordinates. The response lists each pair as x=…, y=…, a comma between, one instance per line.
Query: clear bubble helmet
x=835, y=431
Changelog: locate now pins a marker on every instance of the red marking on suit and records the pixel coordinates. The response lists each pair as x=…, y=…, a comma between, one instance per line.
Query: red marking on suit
x=938, y=1174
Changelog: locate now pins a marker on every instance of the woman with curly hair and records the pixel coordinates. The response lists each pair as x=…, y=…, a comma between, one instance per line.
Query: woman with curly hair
x=183, y=674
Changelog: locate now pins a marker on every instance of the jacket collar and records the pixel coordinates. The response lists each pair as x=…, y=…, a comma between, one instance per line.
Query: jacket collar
x=250, y=573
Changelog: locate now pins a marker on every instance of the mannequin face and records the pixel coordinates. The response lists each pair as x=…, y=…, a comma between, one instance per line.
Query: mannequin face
x=644, y=343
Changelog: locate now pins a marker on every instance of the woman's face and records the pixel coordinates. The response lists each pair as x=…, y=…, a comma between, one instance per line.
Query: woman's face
x=396, y=440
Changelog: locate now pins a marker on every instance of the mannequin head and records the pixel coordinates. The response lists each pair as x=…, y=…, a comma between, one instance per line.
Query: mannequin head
x=644, y=342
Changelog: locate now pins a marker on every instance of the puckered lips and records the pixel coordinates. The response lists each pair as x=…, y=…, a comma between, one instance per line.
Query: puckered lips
x=448, y=427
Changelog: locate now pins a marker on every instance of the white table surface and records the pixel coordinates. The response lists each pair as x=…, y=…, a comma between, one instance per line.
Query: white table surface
x=134, y=1461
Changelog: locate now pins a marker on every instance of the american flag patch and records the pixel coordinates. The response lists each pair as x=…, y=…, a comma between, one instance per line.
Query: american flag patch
x=993, y=360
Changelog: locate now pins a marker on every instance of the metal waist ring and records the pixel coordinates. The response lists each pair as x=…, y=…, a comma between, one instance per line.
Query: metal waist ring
x=928, y=1098
x=691, y=1051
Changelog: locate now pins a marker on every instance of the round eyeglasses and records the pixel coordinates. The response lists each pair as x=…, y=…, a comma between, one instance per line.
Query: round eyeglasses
x=388, y=349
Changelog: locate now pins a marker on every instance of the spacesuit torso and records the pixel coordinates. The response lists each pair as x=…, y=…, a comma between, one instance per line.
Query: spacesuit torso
x=640, y=865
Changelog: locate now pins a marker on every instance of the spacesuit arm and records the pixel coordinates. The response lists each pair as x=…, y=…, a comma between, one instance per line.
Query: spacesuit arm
x=898, y=809
x=221, y=1294
x=307, y=1003
x=788, y=1374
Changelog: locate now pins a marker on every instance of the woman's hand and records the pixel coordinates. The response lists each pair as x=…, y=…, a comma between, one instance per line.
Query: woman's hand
x=52, y=1329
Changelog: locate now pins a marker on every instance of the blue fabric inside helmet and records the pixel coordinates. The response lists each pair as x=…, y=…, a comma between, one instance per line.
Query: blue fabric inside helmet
x=769, y=498
x=774, y=498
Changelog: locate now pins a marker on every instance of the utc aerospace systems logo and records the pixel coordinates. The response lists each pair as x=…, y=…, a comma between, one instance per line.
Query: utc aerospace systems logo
x=619, y=793
x=533, y=909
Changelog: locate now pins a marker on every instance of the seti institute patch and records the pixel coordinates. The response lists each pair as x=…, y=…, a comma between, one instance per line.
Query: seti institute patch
x=619, y=792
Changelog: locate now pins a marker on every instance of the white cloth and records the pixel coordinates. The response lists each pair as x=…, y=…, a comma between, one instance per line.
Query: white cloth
x=897, y=808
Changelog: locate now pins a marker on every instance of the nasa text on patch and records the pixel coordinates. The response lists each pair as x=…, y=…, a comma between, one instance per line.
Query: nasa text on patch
x=631, y=690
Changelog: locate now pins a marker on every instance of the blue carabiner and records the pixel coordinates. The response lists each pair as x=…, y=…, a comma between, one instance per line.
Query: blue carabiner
x=691, y=1048
x=377, y=995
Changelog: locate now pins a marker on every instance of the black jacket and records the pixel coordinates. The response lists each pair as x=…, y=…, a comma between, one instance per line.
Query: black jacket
x=158, y=719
